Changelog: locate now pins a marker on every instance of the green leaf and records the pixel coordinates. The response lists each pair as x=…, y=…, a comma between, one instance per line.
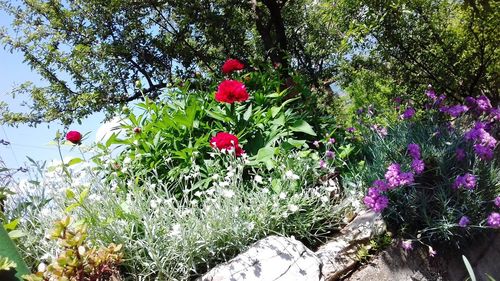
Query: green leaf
x=345, y=151
x=83, y=195
x=303, y=127
x=248, y=113
x=70, y=194
x=72, y=206
x=8, y=249
x=265, y=155
x=156, y=139
x=275, y=110
x=12, y=225
x=14, y=234
x=74, y=161
x=469, y=268
x=6, y=264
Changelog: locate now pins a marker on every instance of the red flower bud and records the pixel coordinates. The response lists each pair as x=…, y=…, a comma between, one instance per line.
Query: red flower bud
x=137, y=130
x=74, y=136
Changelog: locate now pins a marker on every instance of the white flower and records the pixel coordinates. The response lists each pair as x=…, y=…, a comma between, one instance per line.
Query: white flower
x=293, y=208
x=224, y=183
x=250, y=226
x=282, y=195
x=176, y=230
x=265, y=190
x=258, y=179
x=153, y=204
x=291, y=176
x=227, y=193
x=324, y=199
x=127, y=160
x=42, y=267
x=215, y=176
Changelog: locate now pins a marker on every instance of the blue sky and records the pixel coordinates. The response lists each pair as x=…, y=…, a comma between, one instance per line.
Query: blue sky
x=28, y=141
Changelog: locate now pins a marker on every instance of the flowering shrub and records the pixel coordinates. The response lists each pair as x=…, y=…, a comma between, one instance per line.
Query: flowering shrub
x=165, y=140
x=169, y=237
x=436, y=178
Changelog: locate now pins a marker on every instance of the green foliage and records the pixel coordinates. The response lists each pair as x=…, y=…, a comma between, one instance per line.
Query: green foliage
x=8, y=251
x=91, y=53
x=77, y=260
x=452, y=45
x=166, y=139
x=165, y=236
x=6, y=264
x=429, y=209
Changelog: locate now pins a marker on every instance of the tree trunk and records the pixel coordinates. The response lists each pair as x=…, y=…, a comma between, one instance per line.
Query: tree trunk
x=271, y=29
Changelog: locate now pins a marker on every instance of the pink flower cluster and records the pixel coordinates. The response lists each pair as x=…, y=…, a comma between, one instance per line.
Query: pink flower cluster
x=494, y=220
x=455, y=110
x=376, y=201
x=467, y=181
x=394, y=177
x=417, y=164
x=484, y=143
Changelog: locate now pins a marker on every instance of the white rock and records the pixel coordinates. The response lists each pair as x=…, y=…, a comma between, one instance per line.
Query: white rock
x=273, y=258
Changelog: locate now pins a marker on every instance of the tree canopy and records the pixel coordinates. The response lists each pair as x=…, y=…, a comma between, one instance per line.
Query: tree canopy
x=92, y=52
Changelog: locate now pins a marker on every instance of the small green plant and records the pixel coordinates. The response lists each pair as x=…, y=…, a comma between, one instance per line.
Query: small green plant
x=77, y=260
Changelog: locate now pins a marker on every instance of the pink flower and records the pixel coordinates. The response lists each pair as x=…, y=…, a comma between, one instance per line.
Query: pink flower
x=392, y=175
x=230, y=91
x=497, y=201
x=380, y=185
x=74, y=136
x=407, y=245
x=406, y=178
x=414, y=150
x=316, y=143
x=467, y=181
x=483, y=152
x=330, y=154
x=464, y=221
x=331, y=141
x=375, y=201
x=418, y=166
x=322, y=164
x=494, y=220
x=483, y=104
x=231, y=65
x=408, y=113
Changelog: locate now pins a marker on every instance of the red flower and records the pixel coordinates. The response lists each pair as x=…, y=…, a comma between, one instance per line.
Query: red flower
x=74, y=136
x=230, y=91
x=226, y=141
x=231, y=65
